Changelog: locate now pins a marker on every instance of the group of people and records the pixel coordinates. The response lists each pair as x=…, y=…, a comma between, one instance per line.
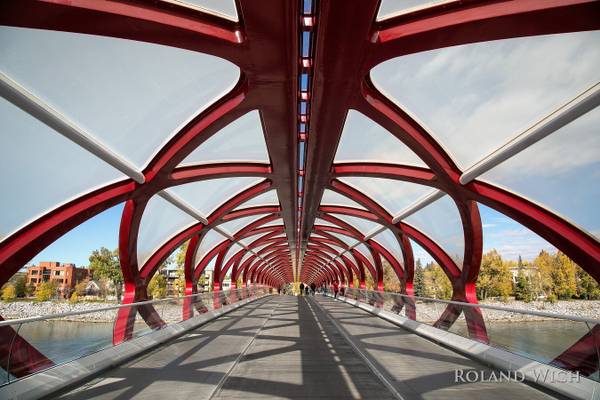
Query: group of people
x=311, y=289
x=308, y=289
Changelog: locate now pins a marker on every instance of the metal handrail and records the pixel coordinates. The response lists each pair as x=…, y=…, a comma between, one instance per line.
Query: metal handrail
x=498, y=308
x=109, y=308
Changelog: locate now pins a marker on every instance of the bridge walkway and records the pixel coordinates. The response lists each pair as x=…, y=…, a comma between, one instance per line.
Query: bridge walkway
x=284, y=347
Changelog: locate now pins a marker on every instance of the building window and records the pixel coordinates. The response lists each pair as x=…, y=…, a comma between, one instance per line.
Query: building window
x=34, y=272
x=59, y=273
x=33, y=280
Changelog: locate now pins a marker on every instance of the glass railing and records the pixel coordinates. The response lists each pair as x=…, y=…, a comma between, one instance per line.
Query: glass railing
x=569, y=342
x=30, y=345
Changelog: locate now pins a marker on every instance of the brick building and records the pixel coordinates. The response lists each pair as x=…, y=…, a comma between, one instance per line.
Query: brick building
x=65, y=275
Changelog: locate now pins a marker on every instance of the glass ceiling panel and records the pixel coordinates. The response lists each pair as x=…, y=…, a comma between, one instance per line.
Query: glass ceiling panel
x=334, y=198
x=509, y=238
x=364, y=140
x=207, y=196
x=233, y=226
x=388, y=240
x=130, y=95
x=211, y=239
x=266, y=199
x=231, y=252
x=320, y=221
x=242, y=140
x=363, y=225
x=561, y=172
x=38, y=169
x=222, y=8
x=390, y=8
x=441, y=222
x=364, y=250
x=161, y=221
x=393, y=195
x=476, y=97
x=346, y=239
x=246, y=256
x=278, y=221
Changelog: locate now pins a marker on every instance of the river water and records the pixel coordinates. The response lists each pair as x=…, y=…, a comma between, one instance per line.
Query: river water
x=63, y=341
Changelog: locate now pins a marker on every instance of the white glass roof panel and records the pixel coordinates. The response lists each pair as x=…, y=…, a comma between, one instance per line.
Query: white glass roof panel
x=391, y=194
x=388, y=240
x=390, y=8
x=245, y=257
x=233, y=226
x=42, y=169
x=161, y=220
x=363, y=225
x=320, y=221
x=441, y=222
x=233, y=249
x=266, y=199
x=123, y=92
x=222, y=8
x=206, y=196
x=210, y=239
x=561, y=172
x=334, y=198
x=278, y=221
x=364, y=140
x=364, y=250
x=346, y=239
x=476, y=97
x=241, y=140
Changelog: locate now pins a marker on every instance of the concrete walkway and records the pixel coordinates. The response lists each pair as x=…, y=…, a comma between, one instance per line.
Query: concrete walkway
x=285, y=347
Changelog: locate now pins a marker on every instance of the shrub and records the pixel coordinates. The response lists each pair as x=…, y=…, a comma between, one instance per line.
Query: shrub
x=9, y=293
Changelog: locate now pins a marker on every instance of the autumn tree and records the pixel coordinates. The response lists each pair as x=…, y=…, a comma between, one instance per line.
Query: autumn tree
x=523, y=289
x=391, y=283
x=46, y=291
x=437, y=284
x=9, y=293
x=495, y=278
x=587, y=287
x=157, y=287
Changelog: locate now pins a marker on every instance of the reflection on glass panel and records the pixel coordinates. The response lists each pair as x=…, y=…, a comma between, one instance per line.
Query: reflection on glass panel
x=266, y=199
x=241, y=140
x=320, y=221
x=233, y=249
x=364, y=250
x=364, y=140
x=278, y=221
x=476, y=97
x=389, y=8
x=391, y=194
x=207, y=196
x=130, y=95
x=233, y=226
x=346, y=239
x=363, y=225
x=509, y=238
x=161, y=221
x=44, y=180
x=561, y=172
x=211, y=264
x=76, y=246
x=441, y=222
x=209, y=241
x=334, y=198
x=388, y=240
x=222, y=8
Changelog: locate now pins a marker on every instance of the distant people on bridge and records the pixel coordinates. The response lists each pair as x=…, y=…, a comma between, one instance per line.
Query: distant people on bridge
x=301, y=288
x=336, y=288
x=313, y=288
x=306, y=288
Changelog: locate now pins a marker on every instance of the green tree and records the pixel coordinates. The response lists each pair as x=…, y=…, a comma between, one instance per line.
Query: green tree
x=20, y=284
x=157, y=287
x=437, y=284
x=495, y=279
x=523, y=289
x=9, y=293
x=46, y=291
x=180, y=256
x=104, y=264
x=419, y=279
x=587, y=287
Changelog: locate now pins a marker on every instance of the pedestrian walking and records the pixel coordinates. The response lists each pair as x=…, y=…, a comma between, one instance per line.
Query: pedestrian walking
x=336, y=288
x=301, y=288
